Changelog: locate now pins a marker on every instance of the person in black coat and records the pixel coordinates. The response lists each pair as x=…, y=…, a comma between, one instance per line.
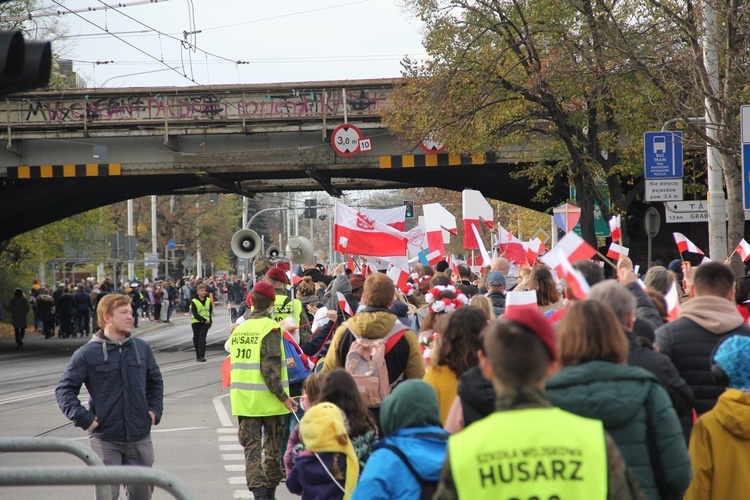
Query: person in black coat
x=706, y=318
x=66, y=310
x=19, y=309
x=623, y=303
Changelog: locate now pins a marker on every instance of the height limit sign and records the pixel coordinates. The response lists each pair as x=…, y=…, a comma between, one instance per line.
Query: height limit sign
x=345, y=140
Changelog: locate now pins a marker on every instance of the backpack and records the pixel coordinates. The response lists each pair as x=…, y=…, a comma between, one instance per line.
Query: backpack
x=365, y=362
x=428, y=488
x=298, y=365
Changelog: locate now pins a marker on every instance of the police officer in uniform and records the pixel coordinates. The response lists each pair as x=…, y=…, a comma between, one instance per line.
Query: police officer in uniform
x=259, y=392
x=527, y=448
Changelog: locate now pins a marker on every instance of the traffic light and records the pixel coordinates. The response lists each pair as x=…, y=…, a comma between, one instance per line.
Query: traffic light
x=24, y=65
x=409, y=209
x=311, y=208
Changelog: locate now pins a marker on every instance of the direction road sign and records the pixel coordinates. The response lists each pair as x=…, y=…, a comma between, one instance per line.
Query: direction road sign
x=662, y=155
x=690, y=211
x=345, y=140
x=745, y=135
x=664, y=189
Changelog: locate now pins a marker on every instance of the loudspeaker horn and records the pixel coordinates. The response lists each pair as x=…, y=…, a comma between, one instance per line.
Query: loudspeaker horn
x=299, y=250
x=273, y=252
x=246, y=243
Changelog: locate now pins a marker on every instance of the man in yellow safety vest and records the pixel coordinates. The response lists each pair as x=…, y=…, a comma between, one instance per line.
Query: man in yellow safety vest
x=527, y=448
x=201, y=315
x=259, y=392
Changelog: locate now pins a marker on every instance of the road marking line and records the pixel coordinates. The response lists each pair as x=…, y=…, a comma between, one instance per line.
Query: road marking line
x=222, y=412
x=228, y=438
x=233, y=456
x=237, y=480
x=231, y=447
x=234, y=468
x=226, y=430
x=242, y=494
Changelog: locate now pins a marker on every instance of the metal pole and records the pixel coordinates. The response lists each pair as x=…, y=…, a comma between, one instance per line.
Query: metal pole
x=244, y=211
x=154, y=244
x=131, y=266
x=717, y=226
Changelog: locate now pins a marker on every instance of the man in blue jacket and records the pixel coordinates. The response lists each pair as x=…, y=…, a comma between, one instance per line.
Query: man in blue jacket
x=126, y=392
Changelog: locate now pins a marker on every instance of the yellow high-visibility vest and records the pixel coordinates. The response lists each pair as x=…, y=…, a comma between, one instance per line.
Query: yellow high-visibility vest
x=541, y=453
x=204, y=310
x=249, y=393
x=283, y=308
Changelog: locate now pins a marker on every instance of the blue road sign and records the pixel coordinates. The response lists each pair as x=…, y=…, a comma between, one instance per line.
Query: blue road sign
x=171, y=244
x=746, y=175
x=662, y=155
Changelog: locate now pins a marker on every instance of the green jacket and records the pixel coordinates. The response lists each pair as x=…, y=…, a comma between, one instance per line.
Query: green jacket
x=636, y=411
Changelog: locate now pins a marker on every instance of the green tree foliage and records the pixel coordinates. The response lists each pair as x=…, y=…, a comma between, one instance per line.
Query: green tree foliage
x=538, y=74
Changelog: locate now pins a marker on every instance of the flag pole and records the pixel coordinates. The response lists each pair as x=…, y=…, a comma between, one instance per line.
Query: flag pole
x=606, y=260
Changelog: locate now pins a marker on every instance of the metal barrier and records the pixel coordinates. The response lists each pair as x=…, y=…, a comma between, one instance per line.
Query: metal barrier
x=97, y=473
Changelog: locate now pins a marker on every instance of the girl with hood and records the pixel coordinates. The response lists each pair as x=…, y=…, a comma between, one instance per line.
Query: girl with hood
x=411, y=420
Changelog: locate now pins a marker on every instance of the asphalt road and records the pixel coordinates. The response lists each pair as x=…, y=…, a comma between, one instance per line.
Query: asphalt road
x=196, y=440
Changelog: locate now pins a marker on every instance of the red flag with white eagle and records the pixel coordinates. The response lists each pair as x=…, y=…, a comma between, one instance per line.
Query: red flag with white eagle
x=685, y=245
x=476, y=211
x=510, y=247
x=615, y=228
x=573, y=247
x=743, y=250
x=355, y=232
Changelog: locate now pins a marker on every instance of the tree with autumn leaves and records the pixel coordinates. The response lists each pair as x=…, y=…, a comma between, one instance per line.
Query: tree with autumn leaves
x=576, y=80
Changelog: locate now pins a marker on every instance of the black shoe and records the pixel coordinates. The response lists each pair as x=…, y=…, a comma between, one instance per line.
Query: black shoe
x=271, y=493
x=259, y=493
x=201, y=360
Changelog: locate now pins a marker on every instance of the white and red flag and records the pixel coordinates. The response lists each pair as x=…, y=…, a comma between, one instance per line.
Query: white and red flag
x=532, y=249
x=575, y=278
x=293, y=278
x=672, y=299
x=616, y=251
x=439, y=224
x=394, y=217
x=344, y=305
x=573, y=247
x=486, y=261
x=520, y=299
x=615, y=228
x=743, y=250
x=510, y=247
x=399, y=277
x=350, y=264
x=357, y=233
x=476, y=211
x=685, y=245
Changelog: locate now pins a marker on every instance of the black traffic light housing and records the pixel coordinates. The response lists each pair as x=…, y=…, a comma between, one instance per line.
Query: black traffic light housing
x=409, y=209
x=311, y=209
x=24, y=65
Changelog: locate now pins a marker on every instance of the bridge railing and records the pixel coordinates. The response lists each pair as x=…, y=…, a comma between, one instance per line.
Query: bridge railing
x=95, y=474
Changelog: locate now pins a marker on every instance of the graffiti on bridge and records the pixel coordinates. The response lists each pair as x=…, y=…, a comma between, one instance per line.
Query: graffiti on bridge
x=210, y=106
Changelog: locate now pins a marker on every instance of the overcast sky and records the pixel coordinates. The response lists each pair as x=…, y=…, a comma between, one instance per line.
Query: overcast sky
x=280, y=40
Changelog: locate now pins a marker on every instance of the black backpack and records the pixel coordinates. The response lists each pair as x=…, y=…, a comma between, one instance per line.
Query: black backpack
x=428, y=488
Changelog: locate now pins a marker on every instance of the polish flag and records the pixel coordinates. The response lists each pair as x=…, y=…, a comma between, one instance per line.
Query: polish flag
x=616, y=251
x=520, y=299
x=573, y=247
x=476, y=210
x=486, y=261
x=454, y=265
x=439, y=225
x=399, y=277
x=366, y=270
x=357, y=233
x=430, y=259
x=350, y=263
x=743, y=250
x=293, y=278
x=615, y=228
x=510, y=247
x=685, y=245
x=532, y=249
x=673, y=302
x=394, y=217
x=344, y=305
x=576, y=281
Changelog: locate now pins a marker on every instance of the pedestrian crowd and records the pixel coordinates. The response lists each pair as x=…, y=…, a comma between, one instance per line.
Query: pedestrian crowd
x=347, y=386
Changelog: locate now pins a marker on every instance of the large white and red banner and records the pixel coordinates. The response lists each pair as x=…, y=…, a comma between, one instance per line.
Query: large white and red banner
x=394, y=217
x=357, y=233
x=476, y=211
x=439, y=224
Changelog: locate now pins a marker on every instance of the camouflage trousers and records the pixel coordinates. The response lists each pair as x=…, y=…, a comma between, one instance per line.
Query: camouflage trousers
x=261, y=438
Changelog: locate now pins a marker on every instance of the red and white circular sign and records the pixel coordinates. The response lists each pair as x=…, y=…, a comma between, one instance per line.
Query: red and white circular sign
x=345, y=140
x=431, y=145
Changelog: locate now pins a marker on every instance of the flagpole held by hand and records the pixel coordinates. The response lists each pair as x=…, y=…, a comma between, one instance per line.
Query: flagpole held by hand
x=606, y=260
